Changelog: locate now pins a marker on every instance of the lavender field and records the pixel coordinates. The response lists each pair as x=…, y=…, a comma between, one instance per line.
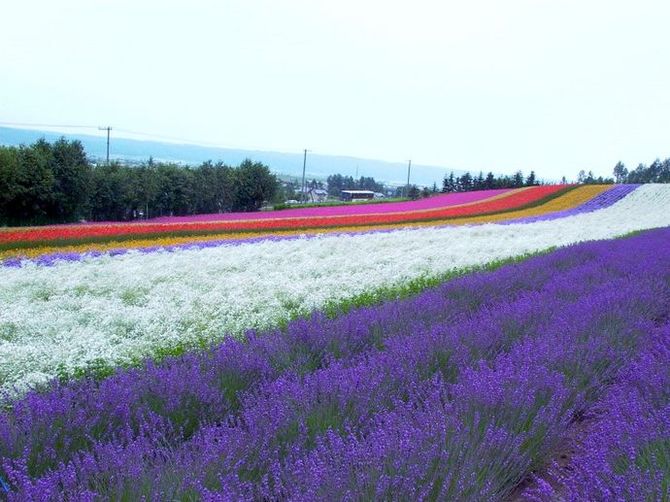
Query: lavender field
x=348, y=251
x=546, y=379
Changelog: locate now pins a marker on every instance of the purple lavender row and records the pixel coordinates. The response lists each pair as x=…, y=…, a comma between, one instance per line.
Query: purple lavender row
x=626, y=452
x=94, y=410
x=429, y=410
x=600, y=201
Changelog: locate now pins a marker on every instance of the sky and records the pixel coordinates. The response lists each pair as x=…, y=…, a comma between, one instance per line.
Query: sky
x=551, y=86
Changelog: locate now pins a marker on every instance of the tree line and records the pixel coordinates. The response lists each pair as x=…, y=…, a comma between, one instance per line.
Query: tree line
x=657, y=172
x=337, y=182
x=55, y=183
x=467, y=182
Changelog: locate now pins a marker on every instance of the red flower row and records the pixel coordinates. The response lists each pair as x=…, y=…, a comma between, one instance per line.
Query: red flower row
x=512, y=200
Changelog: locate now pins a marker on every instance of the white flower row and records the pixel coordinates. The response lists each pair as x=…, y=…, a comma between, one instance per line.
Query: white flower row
x=115, y=309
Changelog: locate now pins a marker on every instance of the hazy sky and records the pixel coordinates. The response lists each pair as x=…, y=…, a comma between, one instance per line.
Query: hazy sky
x=555, y=86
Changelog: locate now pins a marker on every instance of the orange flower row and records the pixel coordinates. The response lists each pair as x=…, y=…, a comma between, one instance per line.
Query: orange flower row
x=509, y=201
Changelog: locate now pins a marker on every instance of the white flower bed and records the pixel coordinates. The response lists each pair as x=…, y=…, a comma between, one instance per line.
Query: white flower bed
x=61, y=318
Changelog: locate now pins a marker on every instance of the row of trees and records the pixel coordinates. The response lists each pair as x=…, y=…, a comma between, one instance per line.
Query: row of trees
x=657, y=172
x=55, y=183
x=589, y=178
x=337, y=183
x=467, y=182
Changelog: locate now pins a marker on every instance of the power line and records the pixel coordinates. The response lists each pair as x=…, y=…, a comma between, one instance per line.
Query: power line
x=189, y=141
x=173, y=138
x=146, y=135
x=64, y=126
x=168, y=138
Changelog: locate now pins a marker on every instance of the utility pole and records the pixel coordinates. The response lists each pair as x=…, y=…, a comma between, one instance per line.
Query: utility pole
x=304, y=164
x=409, y=168
x=108, y=129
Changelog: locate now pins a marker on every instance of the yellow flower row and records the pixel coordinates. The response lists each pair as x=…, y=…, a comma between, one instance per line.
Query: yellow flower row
x=568, y=200
x=571, y=199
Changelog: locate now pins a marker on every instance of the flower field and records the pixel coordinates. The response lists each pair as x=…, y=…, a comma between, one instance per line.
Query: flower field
x=358, y=352
x=501, y=202
x=71, y=240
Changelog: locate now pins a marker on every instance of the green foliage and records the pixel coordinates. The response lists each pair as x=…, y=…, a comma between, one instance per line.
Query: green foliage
x=55, y=183
x=253, y=183
x=657, y=172
x=338, y=182
x=413, y=192
x=589, y=179
x=27, y=184
x=467, y=182
x=72, y=179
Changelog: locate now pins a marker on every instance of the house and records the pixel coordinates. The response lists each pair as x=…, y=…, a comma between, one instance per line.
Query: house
x=318, y=195
x=315, y=194
x=354, y=195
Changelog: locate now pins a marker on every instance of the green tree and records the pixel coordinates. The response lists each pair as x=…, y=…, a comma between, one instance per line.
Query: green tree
x=254, y=184
x=620, y=172
x=478, y=182
x=517, y=181
x=449, y=183
x=490, y=181
x=72, y=177
x=10, y=189
x=109, y=196
x=465, y=183
x=531, y=180
x=413, y=192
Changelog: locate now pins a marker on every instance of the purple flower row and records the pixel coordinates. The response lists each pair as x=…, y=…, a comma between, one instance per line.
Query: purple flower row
x=625, y=454
x=458, y=393
x=603, y=200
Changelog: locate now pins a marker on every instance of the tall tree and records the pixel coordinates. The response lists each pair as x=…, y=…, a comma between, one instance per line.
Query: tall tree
x=620, y=172
x=530, y=180
x=254, y=184
x=449, y=183
x=465, y=183
x=72, y=176
x=489, y=182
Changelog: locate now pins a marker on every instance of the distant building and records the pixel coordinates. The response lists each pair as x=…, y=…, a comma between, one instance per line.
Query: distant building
x=357, y=195
x=315, y=194
x=319, y=195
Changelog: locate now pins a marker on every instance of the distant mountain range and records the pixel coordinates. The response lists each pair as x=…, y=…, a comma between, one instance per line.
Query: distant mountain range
x=290, y=164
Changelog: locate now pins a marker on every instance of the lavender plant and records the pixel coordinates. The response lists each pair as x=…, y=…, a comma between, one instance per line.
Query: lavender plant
x=461, y=392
